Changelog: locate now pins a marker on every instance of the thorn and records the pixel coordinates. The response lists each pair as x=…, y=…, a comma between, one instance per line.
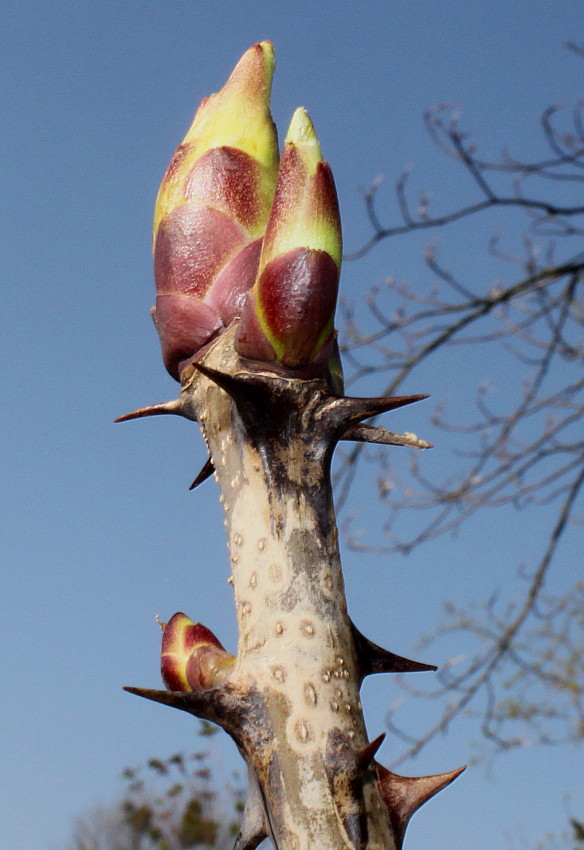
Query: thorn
x=345, y=411
x=222, y=379
x=366, y=754
x=159, y=622
x=254, y=388
x=222, y=704
x=345, y=767
x=234, y=385
x=176, y=699
x=374, y=659
x=176, y=407
x=205, y=473
x=403, y=795
x=363, y=433
x=213, y=704
x=342, y=756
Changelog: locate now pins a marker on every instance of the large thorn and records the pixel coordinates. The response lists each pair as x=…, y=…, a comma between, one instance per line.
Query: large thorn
x=403, y=795
x=256, y=393
x=183, y=700
x=176, y=408
x=206, y=472
x=215, y=704
x=342, y=412
x=374, y=659
x=238, y=386
x=254, y=826
x=363, y=433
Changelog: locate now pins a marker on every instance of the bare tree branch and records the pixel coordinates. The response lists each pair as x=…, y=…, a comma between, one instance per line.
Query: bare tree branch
x=522, y=449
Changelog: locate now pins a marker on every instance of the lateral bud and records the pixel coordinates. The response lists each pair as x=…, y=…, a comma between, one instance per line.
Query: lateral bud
x=289, y=314
x=192, y=659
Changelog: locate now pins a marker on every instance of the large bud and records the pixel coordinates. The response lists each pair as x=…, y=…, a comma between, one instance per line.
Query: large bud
x=288, y=316
x=192, y=659
x=212, y=209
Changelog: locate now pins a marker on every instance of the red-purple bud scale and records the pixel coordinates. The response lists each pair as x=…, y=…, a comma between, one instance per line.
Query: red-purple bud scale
x=192, y=658
x=211, y=212
x=288, y=316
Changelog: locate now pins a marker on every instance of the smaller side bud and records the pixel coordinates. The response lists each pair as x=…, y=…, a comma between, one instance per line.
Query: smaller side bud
x=192, y=659
x=288, y=316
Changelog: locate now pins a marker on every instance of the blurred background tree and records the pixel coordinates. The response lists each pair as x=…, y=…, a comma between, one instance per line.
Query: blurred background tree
x=174, y=803
x=521, y=448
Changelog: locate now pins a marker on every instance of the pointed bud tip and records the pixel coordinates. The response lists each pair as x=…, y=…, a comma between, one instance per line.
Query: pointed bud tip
x=249, y=86
x=302, y=134
x=250, y=81
x=262, y=51
x=268, y=53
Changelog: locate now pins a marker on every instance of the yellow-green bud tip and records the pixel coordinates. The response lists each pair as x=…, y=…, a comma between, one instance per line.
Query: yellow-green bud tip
x=239, y=114
x=302, y=135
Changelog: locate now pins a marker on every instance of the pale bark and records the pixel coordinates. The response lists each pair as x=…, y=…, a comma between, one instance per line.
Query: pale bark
x=292, y=701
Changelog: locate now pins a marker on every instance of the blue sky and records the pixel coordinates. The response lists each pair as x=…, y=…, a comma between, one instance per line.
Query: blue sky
x=99, y=531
